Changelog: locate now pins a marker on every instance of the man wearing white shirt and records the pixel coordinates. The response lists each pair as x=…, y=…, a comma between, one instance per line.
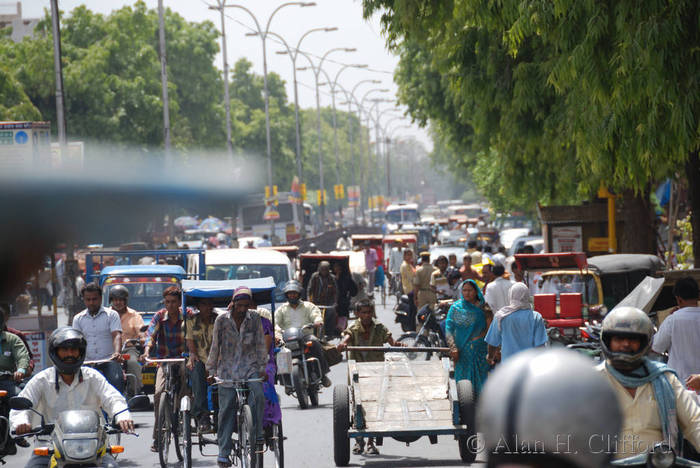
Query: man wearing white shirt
x=102, y=329
x=296, y=314
x=497, y=292
x=679, y=334
x=68, y=386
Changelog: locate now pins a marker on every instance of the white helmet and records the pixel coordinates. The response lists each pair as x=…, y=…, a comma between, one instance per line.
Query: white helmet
x=548, y=408
x=626, y=321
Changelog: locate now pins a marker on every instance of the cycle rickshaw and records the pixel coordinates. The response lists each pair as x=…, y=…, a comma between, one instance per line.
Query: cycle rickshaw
x=244, y=439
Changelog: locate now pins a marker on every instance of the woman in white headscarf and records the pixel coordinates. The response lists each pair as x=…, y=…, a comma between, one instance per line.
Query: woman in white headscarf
x=515, y=327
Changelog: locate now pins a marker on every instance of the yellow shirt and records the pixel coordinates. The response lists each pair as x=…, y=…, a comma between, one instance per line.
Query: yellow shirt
x=407, y=276
x=641, y=427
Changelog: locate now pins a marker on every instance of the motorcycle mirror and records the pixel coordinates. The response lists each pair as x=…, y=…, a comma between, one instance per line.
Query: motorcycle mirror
x=143, y=328
x=138, y=401
x=20, y=403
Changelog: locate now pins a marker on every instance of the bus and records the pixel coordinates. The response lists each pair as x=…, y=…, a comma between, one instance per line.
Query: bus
x=287, y=228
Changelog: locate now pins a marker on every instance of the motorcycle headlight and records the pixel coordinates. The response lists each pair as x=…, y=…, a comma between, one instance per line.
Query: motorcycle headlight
x=79, y=449
x=662, y=456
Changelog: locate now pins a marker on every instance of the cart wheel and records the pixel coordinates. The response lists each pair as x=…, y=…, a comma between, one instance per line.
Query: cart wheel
x=277, y=445
x=467, y=416
x=409, y=339
x=300, y=388
x=341, y=424
x=186, y=422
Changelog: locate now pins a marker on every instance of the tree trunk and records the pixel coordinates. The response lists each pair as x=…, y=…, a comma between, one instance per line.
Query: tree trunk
x=692, y=169
x=639, y=233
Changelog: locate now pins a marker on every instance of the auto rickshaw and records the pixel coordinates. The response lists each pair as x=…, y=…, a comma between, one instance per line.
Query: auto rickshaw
x=589, y=286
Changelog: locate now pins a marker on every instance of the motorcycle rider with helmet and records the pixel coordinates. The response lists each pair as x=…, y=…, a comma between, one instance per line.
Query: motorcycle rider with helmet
x=132, y=323
x=655, y=404
x=547, y=409
x=297, y=313
x=66, y=386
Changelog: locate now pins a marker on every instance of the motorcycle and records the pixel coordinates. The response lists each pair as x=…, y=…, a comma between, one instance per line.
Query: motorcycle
x=299, y=372
x=7, y=445
x=661, y=456
x=402, y=310
x=430, y=334
x=590, y=341
x=77, y=436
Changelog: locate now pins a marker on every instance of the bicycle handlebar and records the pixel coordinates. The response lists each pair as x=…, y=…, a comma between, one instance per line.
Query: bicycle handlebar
x=237, y=382
x=102, y=361
x=165, y=360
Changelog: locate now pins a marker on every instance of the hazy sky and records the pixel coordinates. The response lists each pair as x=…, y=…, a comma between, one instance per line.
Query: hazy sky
x=290, y=23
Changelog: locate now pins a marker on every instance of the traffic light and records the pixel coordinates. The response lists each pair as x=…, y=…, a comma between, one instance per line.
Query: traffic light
x=303, y=191
x=274, y=194
x=267, y=192
x=339, y=191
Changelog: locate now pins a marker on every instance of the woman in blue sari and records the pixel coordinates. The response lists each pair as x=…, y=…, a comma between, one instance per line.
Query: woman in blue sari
x=465, y=327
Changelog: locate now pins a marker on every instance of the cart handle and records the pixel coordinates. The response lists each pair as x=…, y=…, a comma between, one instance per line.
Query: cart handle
x=398, y=349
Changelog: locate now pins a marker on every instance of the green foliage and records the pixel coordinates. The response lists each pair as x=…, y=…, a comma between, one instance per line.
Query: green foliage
x=685, y=255
x=14, y=103
x=113, y=96
x=541, y=101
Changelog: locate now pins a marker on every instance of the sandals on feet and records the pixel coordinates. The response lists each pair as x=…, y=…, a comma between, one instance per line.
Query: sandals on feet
x=372, y=450
x=358, y=449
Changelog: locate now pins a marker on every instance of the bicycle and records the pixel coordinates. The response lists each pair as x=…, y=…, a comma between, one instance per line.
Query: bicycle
x=168, y=420
x=244, y=438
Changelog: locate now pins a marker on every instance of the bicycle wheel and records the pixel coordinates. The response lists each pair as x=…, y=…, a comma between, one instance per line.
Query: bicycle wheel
x=164, y=433
x=277, y=445
x=246, y=438
x=186, y=424
x=176, y=432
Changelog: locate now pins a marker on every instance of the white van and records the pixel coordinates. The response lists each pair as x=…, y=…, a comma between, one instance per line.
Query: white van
x=231, y=264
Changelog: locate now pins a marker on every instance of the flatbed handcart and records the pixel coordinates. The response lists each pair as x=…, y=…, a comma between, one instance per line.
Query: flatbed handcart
x=404, y=400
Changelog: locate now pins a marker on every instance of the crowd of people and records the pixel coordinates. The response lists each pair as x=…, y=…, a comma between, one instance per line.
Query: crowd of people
x=490, y=327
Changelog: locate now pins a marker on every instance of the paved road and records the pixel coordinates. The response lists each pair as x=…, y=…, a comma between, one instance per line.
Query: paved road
x=309, y=435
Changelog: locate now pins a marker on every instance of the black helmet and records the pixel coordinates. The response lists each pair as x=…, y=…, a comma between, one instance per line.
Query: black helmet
x=118, y=292
x=67, y=337
x=626, y=321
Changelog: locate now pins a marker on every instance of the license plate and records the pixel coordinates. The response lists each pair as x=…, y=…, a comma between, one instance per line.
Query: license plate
x=148, y=379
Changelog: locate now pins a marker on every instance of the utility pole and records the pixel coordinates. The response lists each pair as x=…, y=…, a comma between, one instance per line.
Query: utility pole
x=227, y=99
x=58, y=69
x=164, y=83
x=166, y=106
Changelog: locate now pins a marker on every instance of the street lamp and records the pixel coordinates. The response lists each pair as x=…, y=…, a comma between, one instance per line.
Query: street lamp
x=317, y=70
x=350, y=96
x=333, y=85
x=263, y=37
x=293, y=54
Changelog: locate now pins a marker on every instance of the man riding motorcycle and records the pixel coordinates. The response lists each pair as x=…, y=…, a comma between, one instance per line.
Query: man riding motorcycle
x=66, y=386
x=132, y=323
x=656, y=407
x=297, y=313
x=14, y=360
